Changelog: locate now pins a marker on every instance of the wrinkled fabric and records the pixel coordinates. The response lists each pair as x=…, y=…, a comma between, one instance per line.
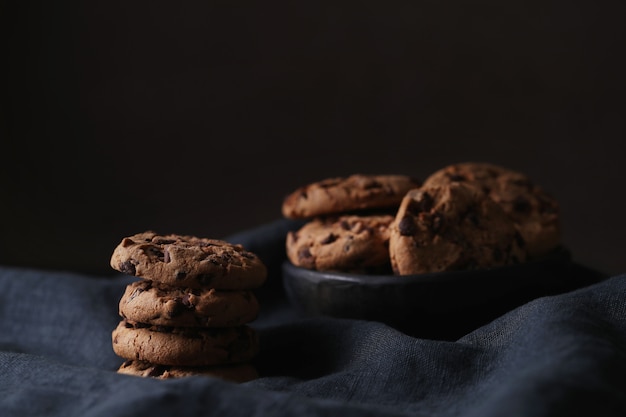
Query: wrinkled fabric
x=556, y=355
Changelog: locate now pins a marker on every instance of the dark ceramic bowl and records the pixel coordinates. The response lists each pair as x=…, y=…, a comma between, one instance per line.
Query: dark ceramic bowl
x=436, y=305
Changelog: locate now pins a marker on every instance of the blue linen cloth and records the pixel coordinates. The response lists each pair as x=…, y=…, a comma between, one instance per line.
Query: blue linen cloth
x=556, y=355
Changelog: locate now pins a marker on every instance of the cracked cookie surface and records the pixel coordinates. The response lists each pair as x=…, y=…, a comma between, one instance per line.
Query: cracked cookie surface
x=189, y=261
x=534, y=211
x=452, y=227
x=348, y=243
x=340, y=195
x=147, y=301
x=184, y=346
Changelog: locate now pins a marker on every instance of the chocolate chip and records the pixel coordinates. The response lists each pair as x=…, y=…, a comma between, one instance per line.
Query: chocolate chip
x=135, y=293
x=159, y=240
x=156, y=252
x=329, y=239
x=437, y=223
x=519, y=239
x=457, y=177
x=157, y=371
x=180, y=275
x=521, y=204
x=127, y=267
x=423, y=203
x=215, y=261
x=406, y=226
x=304, y=253
x=205, y=279
x=186, y=300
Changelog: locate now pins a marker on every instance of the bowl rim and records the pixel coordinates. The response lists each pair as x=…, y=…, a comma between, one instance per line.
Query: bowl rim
x=558, y=255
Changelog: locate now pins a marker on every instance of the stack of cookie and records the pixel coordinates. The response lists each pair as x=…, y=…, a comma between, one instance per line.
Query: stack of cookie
x=189, y=312
x=463, y=216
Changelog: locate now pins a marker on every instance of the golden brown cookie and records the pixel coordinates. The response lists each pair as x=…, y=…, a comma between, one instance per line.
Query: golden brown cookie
x=340, y=195
x=241, y=372
x=347, y=243
x=147, y=301
x=452, y=227
x=189, y=262
x=184, y=346
x=534, y=211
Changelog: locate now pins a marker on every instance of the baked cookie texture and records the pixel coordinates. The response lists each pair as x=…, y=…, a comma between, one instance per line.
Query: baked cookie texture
x=184, y=346
x=188, y=261
x=354, y=243
x=470, y=215
x=452, y=227
x=188, y=312
x=241, y=372
x=340, y=195
x=149, y=302
x=535, y=212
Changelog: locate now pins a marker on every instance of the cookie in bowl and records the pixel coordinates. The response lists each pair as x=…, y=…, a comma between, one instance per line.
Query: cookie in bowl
x=350, y=243
x=340, y=195
x=452, y=227
x=534, y=211
x=457, y=256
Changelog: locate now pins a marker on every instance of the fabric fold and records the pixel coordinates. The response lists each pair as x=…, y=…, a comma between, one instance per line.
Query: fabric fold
x=557, y=355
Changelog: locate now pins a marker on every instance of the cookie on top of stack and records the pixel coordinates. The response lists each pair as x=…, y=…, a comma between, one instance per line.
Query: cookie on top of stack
x=188, y=314
x=470, y=215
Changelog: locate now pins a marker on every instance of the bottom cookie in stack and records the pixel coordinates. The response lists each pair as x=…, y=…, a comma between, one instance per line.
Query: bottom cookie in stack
x=240, y=372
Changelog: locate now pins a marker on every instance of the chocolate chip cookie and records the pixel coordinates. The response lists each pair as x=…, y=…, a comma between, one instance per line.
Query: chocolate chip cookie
x=340, y=195
x=452, y=227
x=189, y=262
x=534, y=211
x=347, y=243
x=147, y=301
x=241, y=372
x=184, y=346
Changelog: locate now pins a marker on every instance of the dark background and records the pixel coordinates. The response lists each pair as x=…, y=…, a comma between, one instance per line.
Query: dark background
x=200, y=117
